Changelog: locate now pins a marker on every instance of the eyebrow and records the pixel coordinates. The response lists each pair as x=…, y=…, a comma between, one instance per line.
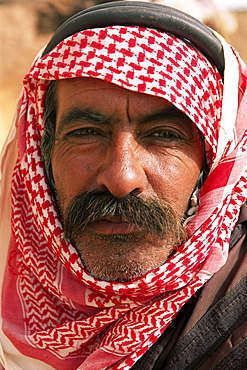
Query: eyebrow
x=78, y=114
x=166, y=113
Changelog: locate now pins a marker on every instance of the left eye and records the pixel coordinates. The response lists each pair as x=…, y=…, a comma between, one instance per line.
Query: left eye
x=167, y=135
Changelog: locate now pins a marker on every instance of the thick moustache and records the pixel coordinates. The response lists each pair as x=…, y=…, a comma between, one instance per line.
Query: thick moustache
x=108, y=215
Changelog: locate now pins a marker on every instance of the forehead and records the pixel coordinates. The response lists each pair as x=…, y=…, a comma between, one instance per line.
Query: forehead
x=92, y=93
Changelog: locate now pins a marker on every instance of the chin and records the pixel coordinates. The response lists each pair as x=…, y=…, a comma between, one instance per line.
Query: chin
x=122, y=258
x=117, y=272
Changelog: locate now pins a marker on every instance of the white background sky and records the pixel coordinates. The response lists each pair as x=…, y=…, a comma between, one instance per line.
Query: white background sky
x=233, y=4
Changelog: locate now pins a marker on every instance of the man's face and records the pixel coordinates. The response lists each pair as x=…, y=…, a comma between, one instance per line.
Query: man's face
x=112, y=139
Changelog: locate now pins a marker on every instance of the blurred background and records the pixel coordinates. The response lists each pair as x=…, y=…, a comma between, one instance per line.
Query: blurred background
x=26, y=26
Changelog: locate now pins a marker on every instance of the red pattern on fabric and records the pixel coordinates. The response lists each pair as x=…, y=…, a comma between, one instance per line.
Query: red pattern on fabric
x=101, y=324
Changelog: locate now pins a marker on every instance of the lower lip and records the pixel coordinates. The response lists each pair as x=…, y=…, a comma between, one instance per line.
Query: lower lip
x=111, y=228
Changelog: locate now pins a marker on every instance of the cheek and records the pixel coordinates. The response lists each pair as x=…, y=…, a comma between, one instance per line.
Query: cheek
x=72, y=176
x=174, y=180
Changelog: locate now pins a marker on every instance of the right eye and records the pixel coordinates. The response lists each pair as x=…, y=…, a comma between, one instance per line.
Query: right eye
x=84, y=132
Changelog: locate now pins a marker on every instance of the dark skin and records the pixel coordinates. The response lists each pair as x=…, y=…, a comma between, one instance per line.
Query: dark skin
x=110, y=138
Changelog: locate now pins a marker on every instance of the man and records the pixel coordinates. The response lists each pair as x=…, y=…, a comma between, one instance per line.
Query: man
x=129, y=180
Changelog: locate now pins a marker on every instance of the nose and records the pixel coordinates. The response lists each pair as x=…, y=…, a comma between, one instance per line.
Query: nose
x=123, y=169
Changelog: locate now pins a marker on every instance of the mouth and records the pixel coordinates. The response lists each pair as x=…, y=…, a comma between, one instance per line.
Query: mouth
x=113, y=225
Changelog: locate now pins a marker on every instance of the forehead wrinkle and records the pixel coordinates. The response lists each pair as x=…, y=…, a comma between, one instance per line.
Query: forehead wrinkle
x=128, y=107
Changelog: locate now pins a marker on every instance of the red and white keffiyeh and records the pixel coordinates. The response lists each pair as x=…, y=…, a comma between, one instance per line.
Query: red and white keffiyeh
x=53, y=314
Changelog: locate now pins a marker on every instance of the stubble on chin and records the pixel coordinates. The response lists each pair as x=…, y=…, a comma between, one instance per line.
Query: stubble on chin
x=121, y=257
